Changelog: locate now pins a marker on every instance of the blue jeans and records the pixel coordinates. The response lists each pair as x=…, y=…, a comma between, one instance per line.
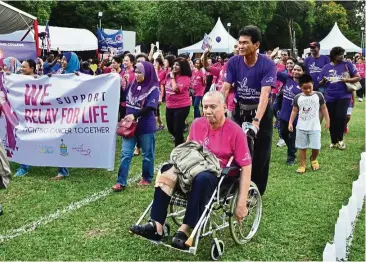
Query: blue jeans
x=147, y=143
x=61, y=170
x=196, y=106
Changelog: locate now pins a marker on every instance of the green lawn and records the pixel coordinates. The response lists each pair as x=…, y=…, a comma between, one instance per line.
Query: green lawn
x=299, y=211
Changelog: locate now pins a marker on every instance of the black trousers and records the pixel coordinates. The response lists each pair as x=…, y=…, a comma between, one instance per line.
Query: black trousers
x=337, y=114
x=361, y=93
x=262, y=146
x=175, y=120
x=203, y=186
x=289, y=138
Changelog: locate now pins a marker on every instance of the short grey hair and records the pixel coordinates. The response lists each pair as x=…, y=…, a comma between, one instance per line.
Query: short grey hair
x=213, y=93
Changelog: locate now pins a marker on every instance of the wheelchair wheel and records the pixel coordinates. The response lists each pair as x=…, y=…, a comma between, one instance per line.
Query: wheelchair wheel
x=215, y=254
x=178, y=220
x=244, y=232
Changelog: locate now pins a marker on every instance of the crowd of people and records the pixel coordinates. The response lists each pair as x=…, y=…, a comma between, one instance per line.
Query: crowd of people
x=229, y=89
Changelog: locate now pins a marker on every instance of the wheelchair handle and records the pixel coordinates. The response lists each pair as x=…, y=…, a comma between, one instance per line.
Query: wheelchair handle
x=247, y=126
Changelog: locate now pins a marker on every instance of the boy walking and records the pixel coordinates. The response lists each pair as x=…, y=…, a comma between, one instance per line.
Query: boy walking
x=308, y=130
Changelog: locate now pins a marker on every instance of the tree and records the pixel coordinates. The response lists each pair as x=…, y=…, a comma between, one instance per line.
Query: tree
x=288, y=22
x=39, y=9
x=84, y=14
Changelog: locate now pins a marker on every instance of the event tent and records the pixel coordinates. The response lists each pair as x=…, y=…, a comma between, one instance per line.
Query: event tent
x=335, y=38
x=222, y=41
x=13, y=19
x=67, y=39
x=72, y=39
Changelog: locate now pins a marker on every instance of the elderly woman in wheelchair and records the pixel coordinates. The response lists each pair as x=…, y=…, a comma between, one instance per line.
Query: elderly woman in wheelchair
x=210, y=185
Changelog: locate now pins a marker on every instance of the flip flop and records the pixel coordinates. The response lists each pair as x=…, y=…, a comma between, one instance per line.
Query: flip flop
x=314, y=164
x=301, y=170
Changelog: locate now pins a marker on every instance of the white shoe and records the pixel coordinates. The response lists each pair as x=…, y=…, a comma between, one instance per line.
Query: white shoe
x=281, y=143
x=360, y=99
x=341, y=145
x=334, y=145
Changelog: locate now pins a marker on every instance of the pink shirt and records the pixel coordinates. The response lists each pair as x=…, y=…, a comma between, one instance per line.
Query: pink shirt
x=180, y=98
x=161, y=76
x=221, y=75
x=361, y=69
x=197, y=81
x=225, y=142
x=131, y=78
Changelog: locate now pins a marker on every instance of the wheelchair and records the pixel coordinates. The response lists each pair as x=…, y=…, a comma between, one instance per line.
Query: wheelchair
x=219, y=211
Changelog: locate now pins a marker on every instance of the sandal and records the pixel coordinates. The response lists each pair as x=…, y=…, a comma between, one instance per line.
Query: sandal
x=301, y=170
x=314, y=164
x=148, y=231
x=118, y=188
x=179, y=240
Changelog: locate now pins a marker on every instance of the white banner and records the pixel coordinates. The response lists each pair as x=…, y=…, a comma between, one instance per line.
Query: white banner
x=62, y=120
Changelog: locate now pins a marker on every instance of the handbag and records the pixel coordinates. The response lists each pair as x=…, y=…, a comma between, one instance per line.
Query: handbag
x=351, y=87
x=127, y=128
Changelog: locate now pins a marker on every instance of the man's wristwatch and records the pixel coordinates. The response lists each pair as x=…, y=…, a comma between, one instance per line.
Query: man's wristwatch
x=256, y=119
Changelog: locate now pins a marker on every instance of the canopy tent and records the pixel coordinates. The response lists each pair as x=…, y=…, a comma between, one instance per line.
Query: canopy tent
x=222, y=41
x=67, y=39
x=335, y=38
x=13, y=19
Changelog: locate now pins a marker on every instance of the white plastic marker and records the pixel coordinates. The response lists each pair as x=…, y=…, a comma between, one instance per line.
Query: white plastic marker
x=329, y=253
x=59, y=213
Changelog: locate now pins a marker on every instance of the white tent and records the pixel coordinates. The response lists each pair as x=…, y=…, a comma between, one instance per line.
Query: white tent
x=335, y=38
x=222, y=41
x=67, y=39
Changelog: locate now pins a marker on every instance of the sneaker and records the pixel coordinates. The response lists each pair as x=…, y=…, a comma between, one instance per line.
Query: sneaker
x=143, y=182
x=159, y=128
x=59, y=177
x=333, y=145
x=346, y=130
x=360, y=99
x=290, y=162
x=281, y=143
x=341, y=145
x=21, y=172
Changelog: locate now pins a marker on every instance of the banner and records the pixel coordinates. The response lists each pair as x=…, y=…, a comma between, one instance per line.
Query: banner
x=207, y=43
x=18, y=49
x=60, y=121
x=112, y=44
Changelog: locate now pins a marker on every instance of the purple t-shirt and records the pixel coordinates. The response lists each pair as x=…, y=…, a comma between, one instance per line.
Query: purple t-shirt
x=248, y=81
x=147, y=123
x=290, y=89
x=335, y=89
x=313, y=67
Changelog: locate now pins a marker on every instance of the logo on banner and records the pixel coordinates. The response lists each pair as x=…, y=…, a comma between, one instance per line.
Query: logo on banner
x=63, y=149
x=83, y=151
x=47, y=150
x=118, y=38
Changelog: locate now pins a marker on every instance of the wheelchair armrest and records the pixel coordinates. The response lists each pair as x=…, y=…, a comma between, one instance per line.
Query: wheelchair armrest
x=230, y=171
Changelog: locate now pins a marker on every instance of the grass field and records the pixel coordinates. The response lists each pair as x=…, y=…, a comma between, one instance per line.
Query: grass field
x=299, y=211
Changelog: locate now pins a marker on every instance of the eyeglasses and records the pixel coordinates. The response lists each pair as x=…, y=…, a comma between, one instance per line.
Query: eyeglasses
x=284, y=54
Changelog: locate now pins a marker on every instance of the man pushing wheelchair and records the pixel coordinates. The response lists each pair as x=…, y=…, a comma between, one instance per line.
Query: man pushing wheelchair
x=223, y=141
